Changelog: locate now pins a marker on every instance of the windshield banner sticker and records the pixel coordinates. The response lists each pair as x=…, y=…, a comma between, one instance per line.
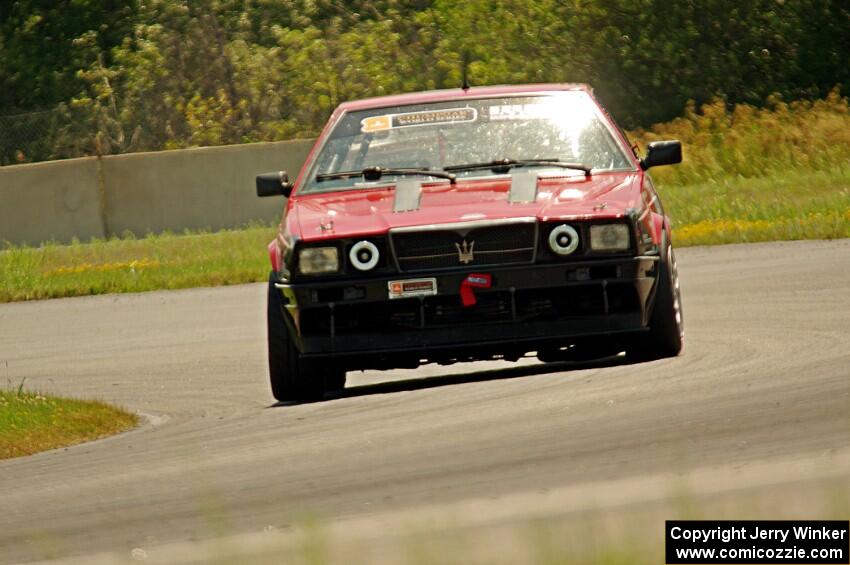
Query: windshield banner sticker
x=521, y=112
x=448, y=116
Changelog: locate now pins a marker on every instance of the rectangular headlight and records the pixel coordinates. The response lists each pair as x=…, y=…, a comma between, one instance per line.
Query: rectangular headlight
x=609, y=237
x=317, y=260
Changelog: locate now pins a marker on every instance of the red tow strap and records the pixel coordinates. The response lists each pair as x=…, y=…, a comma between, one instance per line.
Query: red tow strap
x=473, y=280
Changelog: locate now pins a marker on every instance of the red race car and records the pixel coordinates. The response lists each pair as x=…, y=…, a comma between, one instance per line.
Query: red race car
x=468, y=224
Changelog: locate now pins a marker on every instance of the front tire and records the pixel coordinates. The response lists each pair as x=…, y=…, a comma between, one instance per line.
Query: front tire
x=666, y=335
x=292, y=377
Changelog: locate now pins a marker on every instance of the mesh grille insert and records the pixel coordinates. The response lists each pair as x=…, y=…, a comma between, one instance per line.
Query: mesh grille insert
x=487, y=245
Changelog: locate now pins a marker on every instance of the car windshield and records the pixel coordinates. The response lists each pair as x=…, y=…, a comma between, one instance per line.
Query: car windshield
x=565, y=127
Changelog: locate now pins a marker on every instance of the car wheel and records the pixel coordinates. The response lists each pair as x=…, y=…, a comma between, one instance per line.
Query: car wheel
x=335, y=380
x=291, y=376
x=666, y=334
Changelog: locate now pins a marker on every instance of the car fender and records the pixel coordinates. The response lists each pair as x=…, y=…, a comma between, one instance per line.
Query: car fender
x=659, y=226
x=274, y=255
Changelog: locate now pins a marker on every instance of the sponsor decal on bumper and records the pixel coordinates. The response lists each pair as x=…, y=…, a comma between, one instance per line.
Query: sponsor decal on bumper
x=412, y=287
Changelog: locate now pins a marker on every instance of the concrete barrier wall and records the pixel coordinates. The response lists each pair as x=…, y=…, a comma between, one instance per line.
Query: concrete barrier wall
x=201, y=188
x=57, y=200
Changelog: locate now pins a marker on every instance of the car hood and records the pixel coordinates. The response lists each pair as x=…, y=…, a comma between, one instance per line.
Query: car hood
x=370, y=211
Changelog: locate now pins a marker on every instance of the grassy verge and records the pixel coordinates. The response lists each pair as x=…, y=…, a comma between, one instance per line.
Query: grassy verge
x=166, y=261
x=795, y=205
x=721, y=142
x=32, y=422
x=758, y=174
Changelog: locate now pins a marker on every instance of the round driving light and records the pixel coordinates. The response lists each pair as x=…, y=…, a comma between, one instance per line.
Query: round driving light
x=364, y=255
x=563, y=240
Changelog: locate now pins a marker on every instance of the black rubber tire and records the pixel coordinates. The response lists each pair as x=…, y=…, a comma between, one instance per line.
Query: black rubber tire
x=335, y=381
x=293, y=378
x=666, y=335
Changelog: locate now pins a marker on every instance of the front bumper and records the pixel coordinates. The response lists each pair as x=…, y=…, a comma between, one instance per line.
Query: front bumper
x=526, y=306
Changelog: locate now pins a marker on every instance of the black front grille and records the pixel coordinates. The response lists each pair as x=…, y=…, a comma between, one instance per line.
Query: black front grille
x=373, y=317
x=449, y=311
x=499, y=244
x=492, y=307
x=576, y=301
x=398, y=316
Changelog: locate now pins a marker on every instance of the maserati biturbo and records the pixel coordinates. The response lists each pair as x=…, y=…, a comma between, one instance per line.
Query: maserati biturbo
x=468, y=224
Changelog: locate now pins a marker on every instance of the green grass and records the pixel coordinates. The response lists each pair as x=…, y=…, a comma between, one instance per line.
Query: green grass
x=794, y=205
x=721, y=143
x=751, y=174
x=166, y=261
x=31, y=422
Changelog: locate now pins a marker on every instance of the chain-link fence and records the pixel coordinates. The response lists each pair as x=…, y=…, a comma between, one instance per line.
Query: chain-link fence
x=30, y=137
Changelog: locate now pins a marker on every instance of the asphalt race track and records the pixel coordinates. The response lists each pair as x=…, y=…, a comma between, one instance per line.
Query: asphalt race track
x=765, y=377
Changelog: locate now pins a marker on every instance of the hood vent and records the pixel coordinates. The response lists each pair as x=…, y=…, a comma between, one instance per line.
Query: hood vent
x=408, y=194
x=523, y=187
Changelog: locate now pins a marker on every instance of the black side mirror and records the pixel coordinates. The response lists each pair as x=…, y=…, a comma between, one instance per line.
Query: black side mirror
x=662, y=153
x=274, y=184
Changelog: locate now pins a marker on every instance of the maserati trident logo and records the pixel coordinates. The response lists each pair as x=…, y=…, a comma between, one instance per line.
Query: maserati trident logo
x=464, y=251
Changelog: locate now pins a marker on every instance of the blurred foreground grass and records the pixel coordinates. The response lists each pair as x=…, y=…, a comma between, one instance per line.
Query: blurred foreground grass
x=628, y=534
x=624, y=535
x=31, y=422
x=780, y=173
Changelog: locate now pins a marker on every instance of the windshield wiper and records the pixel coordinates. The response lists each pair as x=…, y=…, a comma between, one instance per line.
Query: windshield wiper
x=503, y=165
x=375, y=173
